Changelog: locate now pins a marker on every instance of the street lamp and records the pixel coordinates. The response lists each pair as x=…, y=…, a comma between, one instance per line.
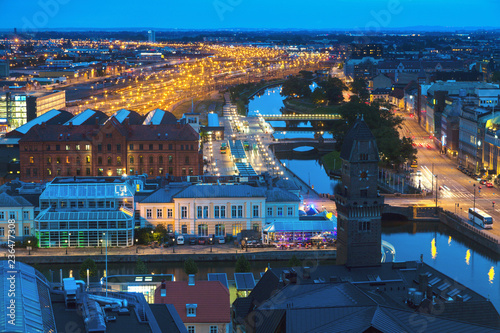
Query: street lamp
x=246, y=244
x=173, y=244
x=136, y=248
x=66, y=246
x=474, y=197
x=101, y=245
x=29, y=247
x=210, y=244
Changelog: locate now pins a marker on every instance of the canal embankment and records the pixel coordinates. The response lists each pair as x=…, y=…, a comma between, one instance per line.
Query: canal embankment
x=165, y=255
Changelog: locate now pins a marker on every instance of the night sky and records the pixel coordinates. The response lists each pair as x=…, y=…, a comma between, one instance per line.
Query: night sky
x=255, y=14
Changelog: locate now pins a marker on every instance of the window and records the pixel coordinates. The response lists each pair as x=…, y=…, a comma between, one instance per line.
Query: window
x=184, y=229
x=87, y=159
x=160, y=159
x=87, y=147
x=49, y=172
x=233, y=211
x=183, y=171
x=140, y=159
x=118, y=147
x=35, y=172
x=26, y=231
x=364, y=226
x=150, y=146
x=214, y=329
x=192, y=147
x=78, y=160
x=2, y=233
x=184, y=212
x=118, y=160
x=187, y=160
x=160, y=171
x=99, y=160
x=237, y=211
x=141, y=147
x=191, y=171
x=256, y=227
x=160, y=147
x=99, y=147
x=222, y=212
x=58, y=160
x=205, y=212
x=28, y=172
x=58, y=147
x=32, y=159
x=78, y=172
x=170, y=170
x=131, y=146
x=109, y=160
x=48, y=147
x=290, y=211
x=199, y=210
x=280, y=211
x=12, y=215
x=149, y=213
x=216, y=212
x=68, y=147
x=109, y=147
x=151, y=159
x=182, y=147
x=170, y=213
x=68, y=171
x=202, y=230
x=2, y=216
x=237, y=228
x=269, y=211
x=240, y=211
x=191, y=310
x=131, y=158
x=220, y=230
x=191, y=329
x=363, y=193
x=170, y=146
x=170, y=159
x=159, y=213
x=100, y=172
x=87, y=171
x=49, y=160
x=255, y=211
x=77, y=147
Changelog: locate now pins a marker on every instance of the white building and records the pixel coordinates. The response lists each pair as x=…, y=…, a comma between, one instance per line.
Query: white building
x=16, y=213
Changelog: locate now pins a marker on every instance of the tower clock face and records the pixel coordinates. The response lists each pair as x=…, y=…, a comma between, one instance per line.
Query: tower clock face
x=363, y=175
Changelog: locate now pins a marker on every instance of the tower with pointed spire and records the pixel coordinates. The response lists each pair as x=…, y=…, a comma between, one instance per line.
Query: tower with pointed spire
x=359, y=205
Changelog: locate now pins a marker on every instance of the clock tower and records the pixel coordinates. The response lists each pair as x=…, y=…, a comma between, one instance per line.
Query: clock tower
x=359, y=205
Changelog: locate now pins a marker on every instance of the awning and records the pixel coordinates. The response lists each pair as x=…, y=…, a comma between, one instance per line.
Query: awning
x=302, y=226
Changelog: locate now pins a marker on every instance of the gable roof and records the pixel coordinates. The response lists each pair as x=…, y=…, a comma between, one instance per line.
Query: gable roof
x=162, y=132
x=211, y=298
x=221, y=191
x=13, y=201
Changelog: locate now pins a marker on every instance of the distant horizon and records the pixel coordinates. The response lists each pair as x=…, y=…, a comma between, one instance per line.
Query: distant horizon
x=322, y=15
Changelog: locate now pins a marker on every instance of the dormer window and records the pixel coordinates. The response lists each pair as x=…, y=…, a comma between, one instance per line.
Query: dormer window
x=191, y=310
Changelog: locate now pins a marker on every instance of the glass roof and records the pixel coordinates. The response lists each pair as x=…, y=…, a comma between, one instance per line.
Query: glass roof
x=83, y=216
x=32, y=300
x=55, y=191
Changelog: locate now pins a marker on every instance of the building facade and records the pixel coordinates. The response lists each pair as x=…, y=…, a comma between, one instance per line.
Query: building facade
x=16, y=214
x=87, y=212
x=114, y=149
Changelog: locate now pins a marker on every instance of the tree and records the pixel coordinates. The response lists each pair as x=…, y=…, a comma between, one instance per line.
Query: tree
x=190, y=267
x=294, y=262
x=308, y=75
x=295, y=87
x=31, y=241
x=242, y=265
x=359, y=87
x=140, y=267
x=384, y=125
x=90, y=265
x=161, y=230
x=329, y=91
x=318, y=96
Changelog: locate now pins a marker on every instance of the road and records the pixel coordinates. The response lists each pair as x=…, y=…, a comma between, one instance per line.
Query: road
x=455, y=189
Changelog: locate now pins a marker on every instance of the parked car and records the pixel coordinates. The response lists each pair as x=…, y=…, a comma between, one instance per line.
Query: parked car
x=489, y=184
x=192, y=241
x=483, y=181
x=221, y=240
x=180, y=240
x=202, y=241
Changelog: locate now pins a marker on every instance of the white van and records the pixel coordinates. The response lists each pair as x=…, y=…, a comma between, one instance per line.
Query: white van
x=180, y=240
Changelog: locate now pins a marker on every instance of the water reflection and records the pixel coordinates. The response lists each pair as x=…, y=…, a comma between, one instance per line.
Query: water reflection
x=467, y=257
x=433, y=248
x=449, y=241
x=491, y=274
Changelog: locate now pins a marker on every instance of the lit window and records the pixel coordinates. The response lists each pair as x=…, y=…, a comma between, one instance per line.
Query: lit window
x=191, y=310
x=149, y=213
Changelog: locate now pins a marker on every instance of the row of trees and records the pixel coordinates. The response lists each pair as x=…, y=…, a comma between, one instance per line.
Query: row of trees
x=190, y=267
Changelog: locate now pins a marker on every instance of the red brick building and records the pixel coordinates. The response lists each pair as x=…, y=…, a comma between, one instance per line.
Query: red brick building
x=111, y=149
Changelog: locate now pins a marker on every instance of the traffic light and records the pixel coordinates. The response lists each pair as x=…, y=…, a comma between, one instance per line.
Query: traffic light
x=493, y=204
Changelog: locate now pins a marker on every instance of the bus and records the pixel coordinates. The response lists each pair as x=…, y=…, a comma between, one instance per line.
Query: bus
x=480, y=218
x=223, y=148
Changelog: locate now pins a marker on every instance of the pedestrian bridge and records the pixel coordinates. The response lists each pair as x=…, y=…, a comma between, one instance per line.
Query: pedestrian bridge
x=409, y=213
x=300, y=117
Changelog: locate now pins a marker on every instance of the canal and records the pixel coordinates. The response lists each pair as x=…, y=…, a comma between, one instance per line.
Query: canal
x=448, y=251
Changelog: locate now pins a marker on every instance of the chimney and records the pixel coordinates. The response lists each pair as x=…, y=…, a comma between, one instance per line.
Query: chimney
x=191, y=280
x=163, y=290
x=423, y=280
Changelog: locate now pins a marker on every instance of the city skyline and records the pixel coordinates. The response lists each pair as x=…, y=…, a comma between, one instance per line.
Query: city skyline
x=362, y=15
